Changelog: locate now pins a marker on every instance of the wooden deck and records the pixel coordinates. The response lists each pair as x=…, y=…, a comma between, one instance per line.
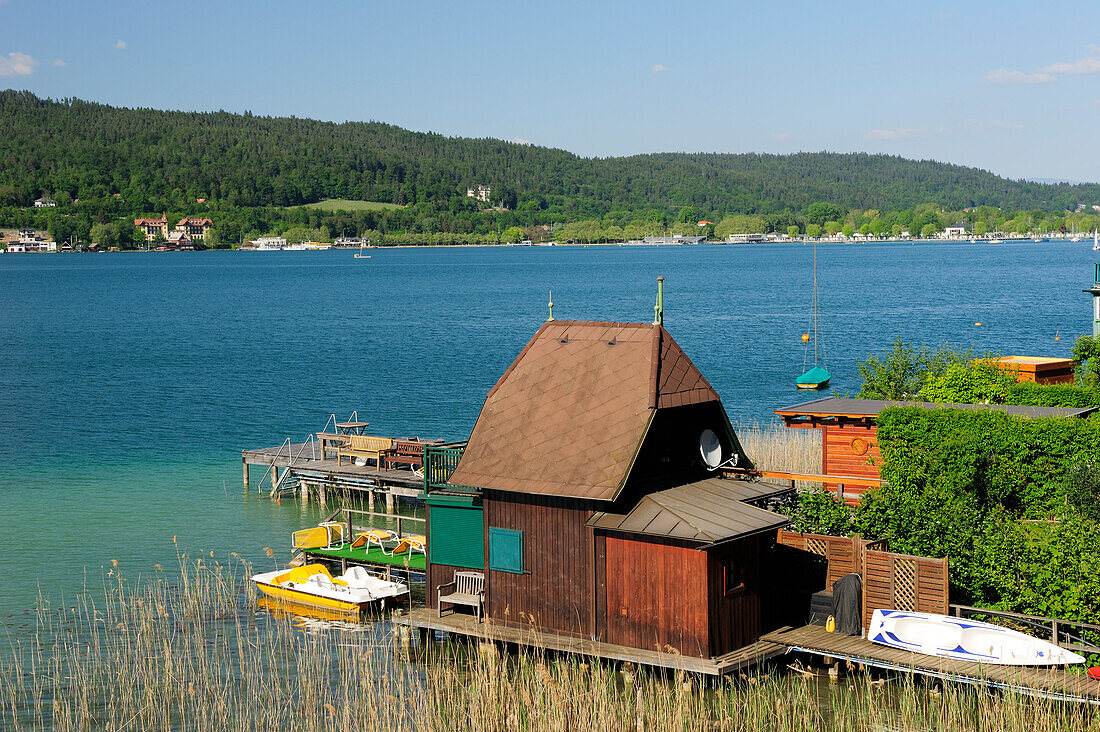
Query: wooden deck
x=304, y=461
x=1051, y=683
x=467, y=625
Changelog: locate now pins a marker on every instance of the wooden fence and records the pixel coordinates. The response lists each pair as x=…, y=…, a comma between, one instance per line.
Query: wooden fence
x=890, y=581
x=903, y=582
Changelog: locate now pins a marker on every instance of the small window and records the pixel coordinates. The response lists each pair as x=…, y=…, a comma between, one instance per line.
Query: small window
x=733, y=575
x=505, y=550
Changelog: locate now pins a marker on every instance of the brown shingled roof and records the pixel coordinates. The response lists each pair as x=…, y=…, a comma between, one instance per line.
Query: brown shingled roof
x=569, y=415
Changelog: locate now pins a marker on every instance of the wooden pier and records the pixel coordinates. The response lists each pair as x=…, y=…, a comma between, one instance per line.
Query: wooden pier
x=467, y=625
x=307, y=466
x=1046, y=682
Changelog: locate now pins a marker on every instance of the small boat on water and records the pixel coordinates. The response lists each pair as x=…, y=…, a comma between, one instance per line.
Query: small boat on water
x=312, y=585
x=964, y=639
x=1095, y=241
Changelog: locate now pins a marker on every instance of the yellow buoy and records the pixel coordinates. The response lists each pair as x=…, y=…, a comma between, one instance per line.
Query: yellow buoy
x=977, y=324
x=805, y=337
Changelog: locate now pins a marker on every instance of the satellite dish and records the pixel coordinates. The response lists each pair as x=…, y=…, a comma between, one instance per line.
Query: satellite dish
x=710, y=448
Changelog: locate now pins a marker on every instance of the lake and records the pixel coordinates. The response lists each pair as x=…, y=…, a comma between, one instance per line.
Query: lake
x=129, y=383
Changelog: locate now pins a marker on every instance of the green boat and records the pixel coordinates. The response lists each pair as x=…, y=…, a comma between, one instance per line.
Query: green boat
x=815, y=378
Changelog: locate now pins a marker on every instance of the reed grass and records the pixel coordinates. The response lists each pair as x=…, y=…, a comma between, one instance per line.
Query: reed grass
x=191, y=652
x=772, y=446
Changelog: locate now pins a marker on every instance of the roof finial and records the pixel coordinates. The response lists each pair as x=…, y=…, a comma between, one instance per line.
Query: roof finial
x=551, y=304
x=659, y=308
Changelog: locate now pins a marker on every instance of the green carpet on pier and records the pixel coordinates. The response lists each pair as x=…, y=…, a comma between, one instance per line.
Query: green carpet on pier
x=373, y=555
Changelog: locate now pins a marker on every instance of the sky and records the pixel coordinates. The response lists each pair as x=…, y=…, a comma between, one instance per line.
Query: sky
x=1012, y=87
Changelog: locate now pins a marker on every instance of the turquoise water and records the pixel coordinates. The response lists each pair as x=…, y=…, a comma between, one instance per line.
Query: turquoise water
x=129, y=383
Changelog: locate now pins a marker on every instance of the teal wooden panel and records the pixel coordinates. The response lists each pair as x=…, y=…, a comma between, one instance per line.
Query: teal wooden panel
x=457, y=536
x=505, y=550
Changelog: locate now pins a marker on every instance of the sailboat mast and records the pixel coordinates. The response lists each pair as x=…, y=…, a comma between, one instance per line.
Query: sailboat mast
x=815, y=303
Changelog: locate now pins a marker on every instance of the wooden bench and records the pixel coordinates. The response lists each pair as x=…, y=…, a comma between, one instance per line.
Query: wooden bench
x=364, y=446
x=469, y=589
x=403, y=452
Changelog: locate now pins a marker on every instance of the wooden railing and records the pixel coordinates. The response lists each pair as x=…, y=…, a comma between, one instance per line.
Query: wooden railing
x=1066, y=633
x=840, y=481
x=440, y=462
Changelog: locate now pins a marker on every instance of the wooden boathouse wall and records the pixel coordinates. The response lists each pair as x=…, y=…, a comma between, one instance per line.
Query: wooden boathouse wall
x=735, y=619
x=656, y=596
x=661, y=594
x=850, y=449
x=555, y=590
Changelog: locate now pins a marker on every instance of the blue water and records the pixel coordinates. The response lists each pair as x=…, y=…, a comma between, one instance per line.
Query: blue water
x=129, y=383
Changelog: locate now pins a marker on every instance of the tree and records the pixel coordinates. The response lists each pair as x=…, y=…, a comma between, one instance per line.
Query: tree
x=739, y=224
x=513, y=235
x=813, y=230
x=819, y=213
x=848, y=229
x=832, y=227
x=105, y=235
x=792, y=231
x=1086, y=357
x=929, y=230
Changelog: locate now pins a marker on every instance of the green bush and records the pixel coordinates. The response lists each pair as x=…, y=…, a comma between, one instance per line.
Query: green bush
x=1018, y=463
x=1053, y=395
x=964, y=383
x=819, y=512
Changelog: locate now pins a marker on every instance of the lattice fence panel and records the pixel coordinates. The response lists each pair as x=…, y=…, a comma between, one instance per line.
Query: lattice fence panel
x=817, y=546
x=905, y=584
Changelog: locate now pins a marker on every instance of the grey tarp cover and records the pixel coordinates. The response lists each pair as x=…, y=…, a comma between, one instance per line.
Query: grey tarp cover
x=847, y=605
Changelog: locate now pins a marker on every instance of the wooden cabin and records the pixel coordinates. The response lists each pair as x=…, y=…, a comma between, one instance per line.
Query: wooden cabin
x=1038, y=369
x=849, y=433
x=584, y=498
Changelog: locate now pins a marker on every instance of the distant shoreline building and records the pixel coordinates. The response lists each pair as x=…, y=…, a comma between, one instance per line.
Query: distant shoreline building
x=44, y=202
x=153, y=227
x=482, y=193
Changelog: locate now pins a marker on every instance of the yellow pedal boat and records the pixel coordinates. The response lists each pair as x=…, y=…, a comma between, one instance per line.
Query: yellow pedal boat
x=313, y=586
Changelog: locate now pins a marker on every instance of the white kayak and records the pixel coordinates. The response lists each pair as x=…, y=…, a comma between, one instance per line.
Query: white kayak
x=312, y=585
x=964, y=639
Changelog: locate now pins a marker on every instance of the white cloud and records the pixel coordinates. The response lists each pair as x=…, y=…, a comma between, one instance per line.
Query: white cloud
x=59, y=62
x=1089, y=64
x=120, y=45
x=657, y=68
x=1004, y=76
x=891, y=134
x=521, y=141
x=780, y=136
x=17, y=64
x=1086, y=65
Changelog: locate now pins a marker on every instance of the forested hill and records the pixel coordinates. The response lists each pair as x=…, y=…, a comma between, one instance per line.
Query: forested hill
x=156, y=159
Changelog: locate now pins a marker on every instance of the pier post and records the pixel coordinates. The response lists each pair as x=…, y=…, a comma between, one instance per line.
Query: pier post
x=321, y=493
x=370, y=498
x=245, y=474
x=389, y=502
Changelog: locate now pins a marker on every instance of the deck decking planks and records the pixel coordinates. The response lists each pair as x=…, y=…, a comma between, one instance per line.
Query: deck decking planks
x=304, y=459
x=1053, y=683
x=467, y=625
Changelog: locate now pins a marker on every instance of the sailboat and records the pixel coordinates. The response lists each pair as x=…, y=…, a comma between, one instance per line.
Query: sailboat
x=1095, y=242
x=818, y=376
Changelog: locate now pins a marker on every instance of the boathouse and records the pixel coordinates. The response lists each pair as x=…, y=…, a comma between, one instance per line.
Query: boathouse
x=849, y=430
x=589, y=501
